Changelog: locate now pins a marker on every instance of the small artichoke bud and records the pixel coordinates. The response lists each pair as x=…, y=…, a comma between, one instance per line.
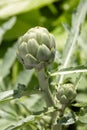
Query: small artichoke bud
x=66, y=93
x=36, y=48
x=64, y=100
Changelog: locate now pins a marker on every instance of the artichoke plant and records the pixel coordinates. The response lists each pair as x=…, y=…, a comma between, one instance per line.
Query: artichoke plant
x=36, y=48
x=66, y=93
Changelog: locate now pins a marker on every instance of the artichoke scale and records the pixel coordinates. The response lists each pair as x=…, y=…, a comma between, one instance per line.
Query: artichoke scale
x=30, y=61
x=22, y=48
x=32, y=47
x=43, y=53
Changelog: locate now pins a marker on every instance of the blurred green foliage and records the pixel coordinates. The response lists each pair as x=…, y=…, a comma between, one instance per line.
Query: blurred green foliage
x=16, y=17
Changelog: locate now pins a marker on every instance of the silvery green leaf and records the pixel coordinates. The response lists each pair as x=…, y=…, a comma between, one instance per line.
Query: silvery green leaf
x=21, y=123
x=7, y=61
x=70, y=70
x=6, y=95
x=10, y=7
x=6, y=26
x=24, y=77
x=73, y=35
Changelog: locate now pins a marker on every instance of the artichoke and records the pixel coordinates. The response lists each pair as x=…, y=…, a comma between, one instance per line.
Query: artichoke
x=36, y=48
x=66, y=93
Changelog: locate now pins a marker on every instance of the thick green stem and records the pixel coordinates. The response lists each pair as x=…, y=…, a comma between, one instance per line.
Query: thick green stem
x=44, y=85
x=57, y=127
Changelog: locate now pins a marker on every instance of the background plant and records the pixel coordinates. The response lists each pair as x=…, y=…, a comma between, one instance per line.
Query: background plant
x=21, y=104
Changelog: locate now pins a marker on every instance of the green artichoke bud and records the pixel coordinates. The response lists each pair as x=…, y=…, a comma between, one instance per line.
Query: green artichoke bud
x=36, y=48
x=66, y=93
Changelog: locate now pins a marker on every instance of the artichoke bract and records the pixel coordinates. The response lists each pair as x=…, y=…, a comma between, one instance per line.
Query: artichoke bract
x=36, y=48
x=66, y=93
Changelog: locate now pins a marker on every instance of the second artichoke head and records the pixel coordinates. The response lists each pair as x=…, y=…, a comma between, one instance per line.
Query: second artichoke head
x=36, y=48
x=66, y=93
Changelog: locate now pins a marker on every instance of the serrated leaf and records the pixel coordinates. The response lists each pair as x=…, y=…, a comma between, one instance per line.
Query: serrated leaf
x=21, y=123
x=9, y=8
x=4, y=123
x=82, y=40
x=7, y=62
x=73, y=35
x=6, y=26
x=70, y=70
x=79, y=14
x=24, y=77
x=72, y=38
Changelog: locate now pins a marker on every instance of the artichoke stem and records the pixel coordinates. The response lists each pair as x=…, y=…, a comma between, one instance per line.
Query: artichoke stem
x=44, y=85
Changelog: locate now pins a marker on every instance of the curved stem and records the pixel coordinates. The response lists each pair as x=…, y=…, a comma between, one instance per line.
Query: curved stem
x=44, y=85
x=57, y=127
